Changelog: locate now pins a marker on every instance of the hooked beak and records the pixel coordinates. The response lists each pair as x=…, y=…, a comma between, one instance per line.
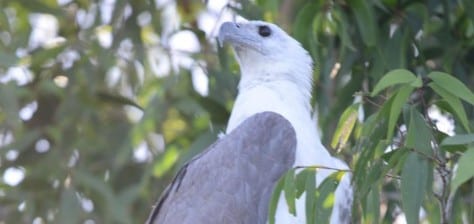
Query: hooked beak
x=228, y=33
x=239, y=36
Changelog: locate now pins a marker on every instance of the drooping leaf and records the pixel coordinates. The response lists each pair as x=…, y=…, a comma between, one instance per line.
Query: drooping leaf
x=69, y=207
x=290, y=191
x=416, y=169
x=396, y=107
x=277, y=192
x=345, y=126
x=419, y=135
x=465, y=170
x=364, y=16
x=459, y=139
x=325, y=198
x=375, y=127
x=310, y=201
x=9, y=104
x=413, y=186
x=454, y=102
x=343, y=29
x=394, y=77
x=301, y=182
x=372, y=212
x=452, y=85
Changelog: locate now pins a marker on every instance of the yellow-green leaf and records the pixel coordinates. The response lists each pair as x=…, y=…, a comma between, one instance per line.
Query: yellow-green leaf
x=345, y=126
x=169, y=158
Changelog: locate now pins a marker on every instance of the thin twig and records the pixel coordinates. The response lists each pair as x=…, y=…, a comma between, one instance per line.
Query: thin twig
x=340, y=170
x=365, y=98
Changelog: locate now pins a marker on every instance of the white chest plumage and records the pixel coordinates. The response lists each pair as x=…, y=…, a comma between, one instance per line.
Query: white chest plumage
x=284, y=98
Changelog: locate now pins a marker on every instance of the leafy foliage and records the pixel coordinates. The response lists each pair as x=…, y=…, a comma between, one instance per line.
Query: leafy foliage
x=84, y=109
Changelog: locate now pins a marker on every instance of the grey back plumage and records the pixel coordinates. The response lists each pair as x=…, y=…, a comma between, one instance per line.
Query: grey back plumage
x=232, y=180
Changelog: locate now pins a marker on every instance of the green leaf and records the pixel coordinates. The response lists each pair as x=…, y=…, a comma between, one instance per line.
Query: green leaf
x=301, y=182
x=465, y=170
x=290, y=191
x=345, y=126
x=92, y=183
x=393, y=155
x=372, y=212
x=303, y=20
x=343, y=29
x=399, y=100
x=310, y=196
x=454, y=103
x=274, y=200
x=167, y=161
x=458, y=140
x=200, y=143
x=419, y=135
x=219, y=113
x=416, y=169
x=364, y=16
x=413, y=186
x=69, y=207
x=417, y=83
x=452, y=85
x=43, y=7
x=397, y=76
x=325, y=197
x=4, y=24
x=395, y=160
x=42, y=55
x=9, y=104
x=7, y=60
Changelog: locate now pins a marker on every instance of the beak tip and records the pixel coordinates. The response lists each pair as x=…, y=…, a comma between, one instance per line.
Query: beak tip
x=224, y=31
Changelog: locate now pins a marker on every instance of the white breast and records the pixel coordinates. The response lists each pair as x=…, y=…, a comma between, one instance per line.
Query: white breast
x=283, y=98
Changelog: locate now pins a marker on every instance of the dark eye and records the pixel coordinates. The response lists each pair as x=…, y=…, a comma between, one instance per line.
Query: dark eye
x=264, y=31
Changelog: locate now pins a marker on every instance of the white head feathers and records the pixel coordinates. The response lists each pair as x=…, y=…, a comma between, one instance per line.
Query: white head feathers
x=266, y=53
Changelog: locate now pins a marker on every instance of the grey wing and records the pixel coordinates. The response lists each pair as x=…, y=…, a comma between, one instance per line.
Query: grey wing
x=232, y=181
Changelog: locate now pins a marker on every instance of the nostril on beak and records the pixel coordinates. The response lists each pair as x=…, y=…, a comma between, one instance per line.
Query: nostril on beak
x=237, y=25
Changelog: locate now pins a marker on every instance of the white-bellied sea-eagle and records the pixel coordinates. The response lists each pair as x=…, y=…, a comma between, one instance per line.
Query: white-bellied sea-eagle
x=276, y=77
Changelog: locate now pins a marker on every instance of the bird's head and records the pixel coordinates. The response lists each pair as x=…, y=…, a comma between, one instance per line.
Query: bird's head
x=264, y=49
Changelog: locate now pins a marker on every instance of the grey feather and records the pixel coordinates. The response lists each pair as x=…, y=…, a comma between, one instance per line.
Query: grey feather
x=232, y=181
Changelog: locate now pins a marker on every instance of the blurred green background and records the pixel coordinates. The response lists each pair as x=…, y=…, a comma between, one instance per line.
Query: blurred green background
x=102, y=101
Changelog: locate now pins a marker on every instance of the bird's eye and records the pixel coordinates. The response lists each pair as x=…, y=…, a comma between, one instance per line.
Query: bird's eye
x=264, y=31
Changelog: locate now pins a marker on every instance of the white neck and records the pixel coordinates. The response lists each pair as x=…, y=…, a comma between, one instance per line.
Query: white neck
x=265, y=71
x=277, y=95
